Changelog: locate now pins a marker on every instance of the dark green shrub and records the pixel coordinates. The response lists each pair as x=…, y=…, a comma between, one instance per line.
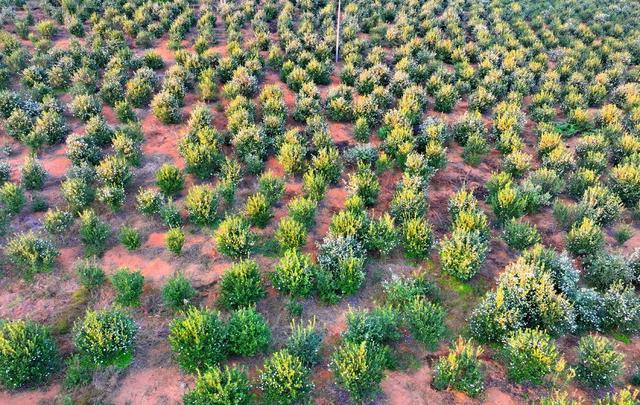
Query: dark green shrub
x=56, y=221
x=240, y=285
x=31, y=254
x=28, y=354
x=234, y=238
x=425, y=321
x=166, y=108
x=33, y=174
x=248, y=331
x=341, y=267
x=169, y=179
x=90, y=274
x=359, y=368
x=85, y=106
x=520, y=235
x=177, y=292
x=284, y=379
x=93, y=233
x=294, y=274
x=218, y=386
x=198, y=339
x=90, y=342
x=128, y=285
x=376, y=326
x=271, y=186
x=174, y=238
x=585, y=238
x=304, y=342
x=599, y=364
x=383, y=237
x=130, y=238
x=460, y=369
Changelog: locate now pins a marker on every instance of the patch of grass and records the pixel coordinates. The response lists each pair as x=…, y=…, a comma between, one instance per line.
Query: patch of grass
x=63, y=320
x=268, y=248
x=621, y=337
x=404, y=361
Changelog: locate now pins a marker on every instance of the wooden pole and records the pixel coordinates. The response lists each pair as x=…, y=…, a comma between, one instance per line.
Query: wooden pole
x=338, y=33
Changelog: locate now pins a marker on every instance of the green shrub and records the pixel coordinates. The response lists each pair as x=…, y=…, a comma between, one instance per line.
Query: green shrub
x=520, y=235
x=460, y=369
x=508, y=203
x=148, y=201
x=624, y=180
x=446, y=98
x=314, y=184
x=585, y=238
x=130, y=238
x=174, y=238
x=113, y=171
x=234, y=238
x=341, y=267
x=599, y=364
x=128, y=286
x=383, y=237
x=169, y=179
x=271, y=187
x=425, y=321
x=198, y=339
x=28, y=354
x=240, y=285
x=33, y=174
x=294, y=274
x=218, y=386
x=603, y=269
x=376, y=326
x=531, y=355
x=12, y=197
x=462, y=254
x=93, y=233
x=623, y=397
x=284, y=379
x=291, y=234
x=177, y=292
x=202, y=204
x=31, y=254
x=364, y=183
x=77, y=193
x=112, y=196
x=90, y=274
x=359, y=368
x=106, y=337
x=304, y=342
x=56, y=221
x=249, y=333
x=303, y=210
x=84, y=106
x=258, y=210
x=417, y=238
x=166, y=108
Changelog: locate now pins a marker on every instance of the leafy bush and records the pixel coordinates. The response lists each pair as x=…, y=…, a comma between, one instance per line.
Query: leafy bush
x=234, y=238
x=85, y=106
x=12, y=197
x=359, y=368
x=382, y=235
x=130, y=238
x=284, y=379
x=258, y=210
x=89, y=337
x=462, y=253
x=531, y=355
x=520, y=235
x=169, y=179
x=425, y=321
x=291, y=234
x=304, y=342
x=417, y=238
x=585, y=238
x=93, y=233
x=28, y=354
x=624, y=180
x=202, y=204
x=56, y=221
x=599, y=364
x=603, y=269
x=294, y=274
x=271, y=187
x=166, y=108
x=376, y=326
x=240, y=285
x=341, y=267
x=174, y=238
x=31, y=254
x=220, y=386
x=460, y=369
x=90, y=274
x=77, y=193
x=177, y=292
x=128, y=285
x=148, y=201
x=33, y=174
x=249, y=333
x=446, y=98
x=198, y=339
